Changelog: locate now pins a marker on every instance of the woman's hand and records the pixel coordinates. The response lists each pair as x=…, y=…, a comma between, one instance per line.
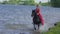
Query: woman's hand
x=38, y=13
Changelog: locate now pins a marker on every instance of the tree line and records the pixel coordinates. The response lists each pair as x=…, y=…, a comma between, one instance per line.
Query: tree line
x=54, y=3
x=23, y=2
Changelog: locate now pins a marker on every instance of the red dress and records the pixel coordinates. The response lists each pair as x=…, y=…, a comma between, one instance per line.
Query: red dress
x=41, y=19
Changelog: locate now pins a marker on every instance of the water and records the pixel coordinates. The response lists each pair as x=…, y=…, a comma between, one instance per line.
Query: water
x=16, y=19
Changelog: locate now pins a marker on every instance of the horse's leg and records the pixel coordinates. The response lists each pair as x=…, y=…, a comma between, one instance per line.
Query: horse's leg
x=34, y=27
x=38, y=26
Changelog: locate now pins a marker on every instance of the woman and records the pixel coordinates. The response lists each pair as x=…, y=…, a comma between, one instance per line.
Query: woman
x=38, y=13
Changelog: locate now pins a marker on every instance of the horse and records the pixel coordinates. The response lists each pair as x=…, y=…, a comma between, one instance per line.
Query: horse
x=36, y=20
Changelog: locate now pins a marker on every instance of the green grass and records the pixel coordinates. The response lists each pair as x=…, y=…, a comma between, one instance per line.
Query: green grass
x=54, y=30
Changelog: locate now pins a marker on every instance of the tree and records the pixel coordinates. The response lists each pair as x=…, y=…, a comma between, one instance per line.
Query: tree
x=29, y=2
x=40, y=2
x=14, y=1
x=55, y=3
x=5, y=2
x=24, y=2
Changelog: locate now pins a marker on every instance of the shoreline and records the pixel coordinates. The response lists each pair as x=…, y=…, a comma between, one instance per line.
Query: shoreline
x=54, y=30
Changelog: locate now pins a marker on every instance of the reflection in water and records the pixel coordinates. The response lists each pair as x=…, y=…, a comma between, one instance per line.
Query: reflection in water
x=35, y=32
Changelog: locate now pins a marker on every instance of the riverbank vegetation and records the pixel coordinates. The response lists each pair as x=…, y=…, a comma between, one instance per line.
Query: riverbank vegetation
x=54, y=3
x=54, y=30
x=45, y=4
x=19, y=2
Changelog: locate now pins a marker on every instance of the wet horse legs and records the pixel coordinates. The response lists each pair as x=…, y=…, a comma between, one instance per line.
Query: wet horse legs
x=34, y=27
x=38, y=26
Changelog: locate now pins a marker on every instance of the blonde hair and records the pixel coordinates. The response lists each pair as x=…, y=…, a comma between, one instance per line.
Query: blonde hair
x=37, y=5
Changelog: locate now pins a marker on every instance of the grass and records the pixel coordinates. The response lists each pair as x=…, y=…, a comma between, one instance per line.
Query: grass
x=54, y=30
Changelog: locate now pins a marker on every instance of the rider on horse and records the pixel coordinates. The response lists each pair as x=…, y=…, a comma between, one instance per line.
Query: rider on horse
x=38, y=13
x=37, y=10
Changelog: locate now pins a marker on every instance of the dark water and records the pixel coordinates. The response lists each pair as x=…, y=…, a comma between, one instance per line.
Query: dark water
x=17, y=18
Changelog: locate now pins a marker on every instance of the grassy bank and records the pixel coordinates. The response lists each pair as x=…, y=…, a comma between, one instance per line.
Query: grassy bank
x=54, y=30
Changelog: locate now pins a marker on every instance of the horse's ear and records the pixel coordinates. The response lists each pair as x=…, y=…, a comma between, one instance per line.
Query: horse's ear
x=33, y=10
x=32, y=13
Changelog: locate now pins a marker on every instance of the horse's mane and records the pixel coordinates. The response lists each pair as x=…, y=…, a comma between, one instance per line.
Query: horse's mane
x=35, y=15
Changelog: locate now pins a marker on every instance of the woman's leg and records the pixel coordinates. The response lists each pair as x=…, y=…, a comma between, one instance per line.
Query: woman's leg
x=41, y=19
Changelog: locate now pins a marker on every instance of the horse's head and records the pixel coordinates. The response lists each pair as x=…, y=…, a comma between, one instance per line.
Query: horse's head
x=33, y=13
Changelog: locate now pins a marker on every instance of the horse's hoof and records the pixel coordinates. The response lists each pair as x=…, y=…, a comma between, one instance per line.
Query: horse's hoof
x=34, y=28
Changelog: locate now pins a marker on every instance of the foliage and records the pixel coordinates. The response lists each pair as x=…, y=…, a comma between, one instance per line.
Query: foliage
x=13, y=1
x=55, y=3
x=30, y=2
x=45, y=4
x=54, y=30
x=23, y=2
